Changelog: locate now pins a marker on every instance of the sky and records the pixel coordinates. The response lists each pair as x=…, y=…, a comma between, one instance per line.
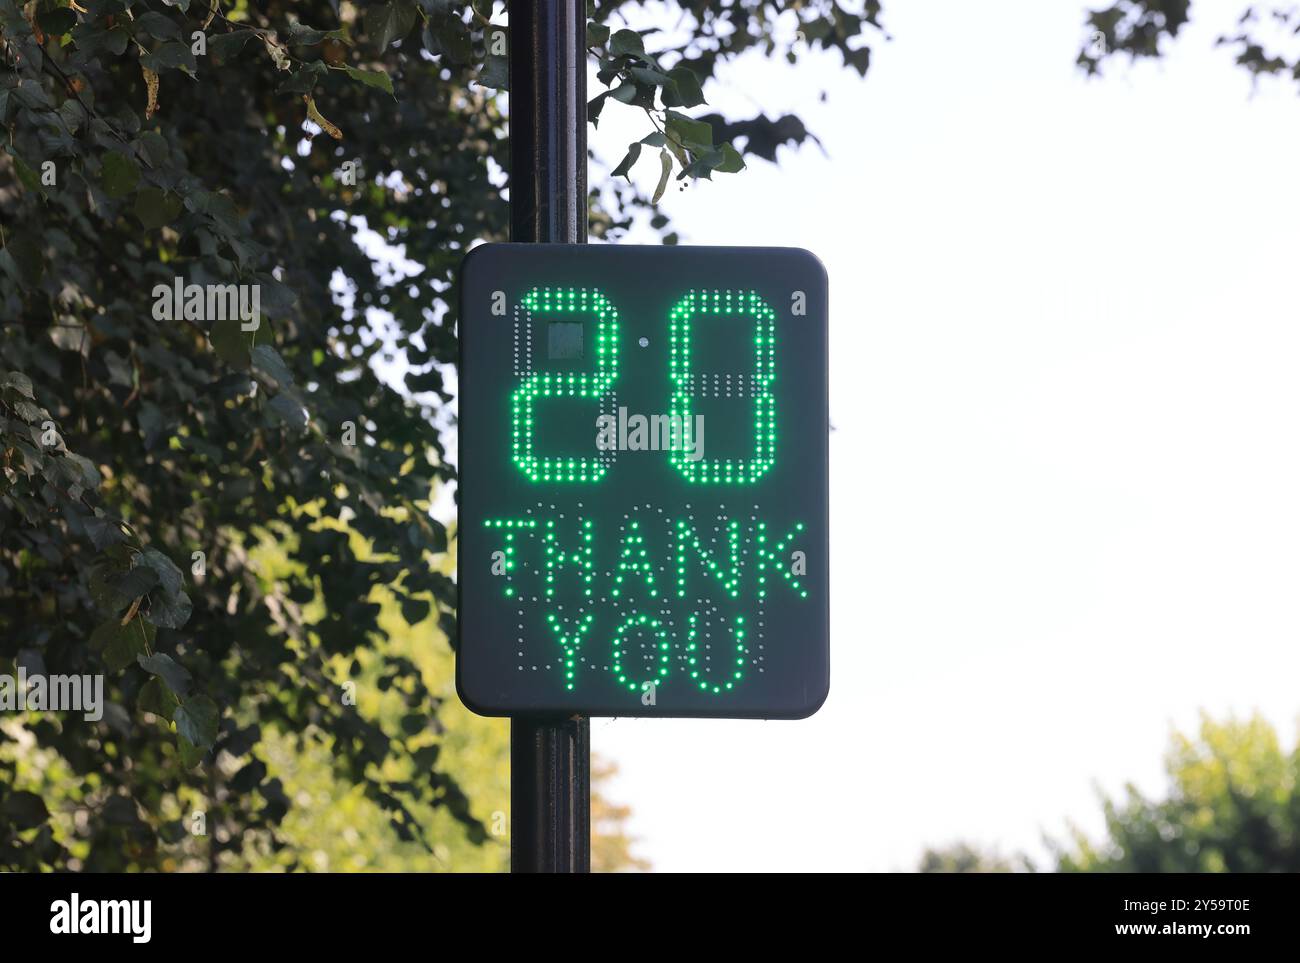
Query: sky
x=1064, y=461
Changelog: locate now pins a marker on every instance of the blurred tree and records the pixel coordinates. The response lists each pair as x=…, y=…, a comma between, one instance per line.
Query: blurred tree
x=1135, y=27
x=611, y=846
x=1233, y=806
x=965, y=858
x=338, y=158
x=1263, y=36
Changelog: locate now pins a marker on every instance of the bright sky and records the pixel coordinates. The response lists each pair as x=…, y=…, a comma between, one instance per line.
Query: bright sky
x=1065, y=470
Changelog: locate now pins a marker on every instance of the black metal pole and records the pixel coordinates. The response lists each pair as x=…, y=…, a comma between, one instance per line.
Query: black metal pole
x=550, y=758
x=548, y=121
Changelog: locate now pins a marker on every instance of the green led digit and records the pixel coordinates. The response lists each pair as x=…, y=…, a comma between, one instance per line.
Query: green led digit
x=570, y=634
x=542, y=384
x=688, y=384
x=633, y=624
x=732, y=674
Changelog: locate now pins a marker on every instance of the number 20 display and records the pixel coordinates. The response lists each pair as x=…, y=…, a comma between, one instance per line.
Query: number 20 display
x=643, y=481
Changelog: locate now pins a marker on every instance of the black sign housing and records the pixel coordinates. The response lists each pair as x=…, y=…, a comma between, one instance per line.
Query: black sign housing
x=643, y=481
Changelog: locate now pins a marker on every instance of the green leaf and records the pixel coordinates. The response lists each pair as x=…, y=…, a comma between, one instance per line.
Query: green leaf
x=136, y=583
x=626, y=42
x=386, y=22
x=71, y=113
x=304, y=79
x=27, y=176
x=609, y=68
x=816, y=28
x=224, y=46
x=155, y=147
x=157, y=25
x=496, y=67
x=170, y=610
x=82, y=470
x=625, y=165
x=372, y=78
x=119, y=175
x=100, y=584
x=705, y=163
x=648, y=77
x=448, y=36
x=104, y=532
x=190, y=754
x=24, y=254
x=415, y=611
x=289, y=410
x=119, y=645
x=19, y=382
x=302, y=35
x=155, y=698
x=249, y=777
x=196, y=719
x=277, y=298
x=155, y=208
x=173, y=675
x=421, y=381
x=31, y=95
x=25, y=810
x=169, y=576
x=91, y=39
x=232, y=344
x=56, y=21
x=170, y=56
x=597, y=33
x=267, y=361
x=731, y=160
x=219, y=207
x=685, y=88
x=623, y=93
x=31, y=414
x=695, y=135
x=680, y=154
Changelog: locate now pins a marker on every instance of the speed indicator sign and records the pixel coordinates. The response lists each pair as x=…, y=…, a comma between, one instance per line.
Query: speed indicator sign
x=643, y=481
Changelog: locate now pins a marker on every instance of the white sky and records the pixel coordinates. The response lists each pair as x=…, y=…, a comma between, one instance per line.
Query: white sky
x=1064, y=477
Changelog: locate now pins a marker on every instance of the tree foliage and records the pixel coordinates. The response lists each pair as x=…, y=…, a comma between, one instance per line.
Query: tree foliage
x=965, y=858
x=1263, y=36
x=1233, y=805
x=340, y=159
x=611, y=845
